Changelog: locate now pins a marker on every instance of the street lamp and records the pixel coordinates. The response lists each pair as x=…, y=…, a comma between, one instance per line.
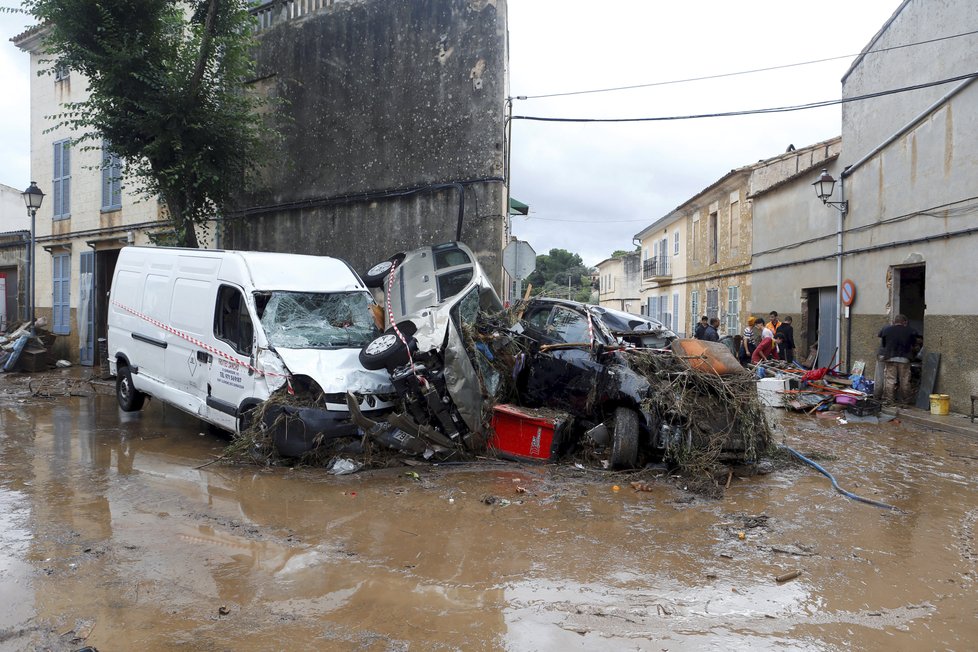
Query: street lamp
x=33, y=198
x=824, y=188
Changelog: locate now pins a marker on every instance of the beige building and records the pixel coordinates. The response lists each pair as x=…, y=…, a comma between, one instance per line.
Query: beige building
x=619, y=279
x=87, y=215
x=663, y=247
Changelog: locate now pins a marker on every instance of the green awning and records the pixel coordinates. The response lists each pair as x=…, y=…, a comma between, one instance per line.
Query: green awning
x=516, y=207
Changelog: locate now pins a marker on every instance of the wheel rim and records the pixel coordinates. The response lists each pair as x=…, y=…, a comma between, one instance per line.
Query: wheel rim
x=381, y=344
x=124, y=389
x=380, y=268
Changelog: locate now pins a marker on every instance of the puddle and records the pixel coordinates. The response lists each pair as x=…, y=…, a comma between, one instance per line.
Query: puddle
x=111, y=536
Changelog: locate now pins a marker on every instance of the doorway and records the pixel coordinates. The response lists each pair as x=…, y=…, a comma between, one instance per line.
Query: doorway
x=908, y=295
x=822, y=305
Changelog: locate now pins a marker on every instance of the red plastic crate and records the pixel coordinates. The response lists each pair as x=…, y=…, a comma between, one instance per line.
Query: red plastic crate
x=523, y=436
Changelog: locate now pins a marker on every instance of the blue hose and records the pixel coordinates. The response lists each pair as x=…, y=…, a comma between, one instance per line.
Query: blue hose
x=848, y=494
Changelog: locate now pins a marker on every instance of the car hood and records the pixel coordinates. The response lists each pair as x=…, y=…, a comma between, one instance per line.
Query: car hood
x=336, y=370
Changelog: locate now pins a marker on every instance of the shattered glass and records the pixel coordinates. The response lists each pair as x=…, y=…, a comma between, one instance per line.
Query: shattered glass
x=310, y=320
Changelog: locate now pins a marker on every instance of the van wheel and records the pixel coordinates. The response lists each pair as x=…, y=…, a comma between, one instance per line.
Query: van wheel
x=130, y=399
x=376, y=276
x=385, y=352
x=624, y=439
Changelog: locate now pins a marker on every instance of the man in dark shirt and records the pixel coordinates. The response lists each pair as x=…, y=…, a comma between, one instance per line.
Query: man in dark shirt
x=701, y=327
x=711, y=333
x=788, y=333
x=898, y=341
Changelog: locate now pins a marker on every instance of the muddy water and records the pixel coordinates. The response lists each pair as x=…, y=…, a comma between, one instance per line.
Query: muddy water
x=111, y=537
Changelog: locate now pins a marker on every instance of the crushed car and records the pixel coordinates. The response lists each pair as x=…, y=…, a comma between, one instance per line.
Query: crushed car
x=610, y=378
x=431, y=296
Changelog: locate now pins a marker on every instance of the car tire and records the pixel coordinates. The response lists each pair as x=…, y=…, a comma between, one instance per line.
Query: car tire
x=385, y=352
x=624, y=439
x=130, y=399
x=376, y=276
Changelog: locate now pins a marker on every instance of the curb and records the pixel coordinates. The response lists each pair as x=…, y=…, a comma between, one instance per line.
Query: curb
x=959, y=424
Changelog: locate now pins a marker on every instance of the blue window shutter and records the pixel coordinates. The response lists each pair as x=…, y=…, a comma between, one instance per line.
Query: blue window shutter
x=66, y=176
x=61, y=294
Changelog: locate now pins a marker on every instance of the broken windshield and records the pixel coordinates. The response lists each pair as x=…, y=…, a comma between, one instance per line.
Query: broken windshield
x=310, y=320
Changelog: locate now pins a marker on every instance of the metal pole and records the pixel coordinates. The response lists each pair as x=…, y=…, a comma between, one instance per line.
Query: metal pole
x=844, y=208
x=33, y=245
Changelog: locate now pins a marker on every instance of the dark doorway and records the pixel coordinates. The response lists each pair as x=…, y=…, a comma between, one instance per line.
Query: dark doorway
x=822, y=306
x=105, y=261
x=908, y=295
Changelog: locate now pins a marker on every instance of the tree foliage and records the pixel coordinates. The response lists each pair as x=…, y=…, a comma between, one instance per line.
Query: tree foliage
x=561, y=274
x=166, y=82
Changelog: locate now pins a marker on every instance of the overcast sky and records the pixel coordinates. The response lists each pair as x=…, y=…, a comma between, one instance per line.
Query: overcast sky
x=592, y=187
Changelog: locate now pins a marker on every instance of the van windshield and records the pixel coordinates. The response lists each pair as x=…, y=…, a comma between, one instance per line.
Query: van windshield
x=310, y=320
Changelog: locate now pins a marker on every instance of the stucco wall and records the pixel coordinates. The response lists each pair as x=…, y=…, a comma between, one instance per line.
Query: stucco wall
x=376, y=98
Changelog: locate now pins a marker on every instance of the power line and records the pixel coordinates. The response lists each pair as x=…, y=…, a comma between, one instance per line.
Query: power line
x=778, y=109
x=742, y=72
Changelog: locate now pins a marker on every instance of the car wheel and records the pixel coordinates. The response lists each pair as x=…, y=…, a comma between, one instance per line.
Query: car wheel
x=130, y=399
x=385, y=352
x=376, y=276
x=624, y=439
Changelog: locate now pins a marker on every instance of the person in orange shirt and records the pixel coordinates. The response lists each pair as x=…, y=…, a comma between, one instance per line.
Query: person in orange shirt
x=773, y=322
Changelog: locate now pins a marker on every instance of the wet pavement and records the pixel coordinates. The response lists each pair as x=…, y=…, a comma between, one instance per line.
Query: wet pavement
x=112, y=536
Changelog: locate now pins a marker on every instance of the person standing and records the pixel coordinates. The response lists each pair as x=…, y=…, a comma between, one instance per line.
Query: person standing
x=701, y=327
x=773, y=322
x=747, y=342
x=710, y=333
x=788, y=331
x=898, y=340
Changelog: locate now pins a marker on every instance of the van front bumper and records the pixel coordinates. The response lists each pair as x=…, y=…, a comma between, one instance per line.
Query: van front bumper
x=298, y=430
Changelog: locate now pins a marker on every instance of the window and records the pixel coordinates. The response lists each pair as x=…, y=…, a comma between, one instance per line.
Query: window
x=61, y=182
x=694, y=308
x=232, y=322
x=61, y=293
x=569, y=326
x=675, y=243
x=714, y=239
x=111, y=179
x=712, y=302
x=733, y=309
x=61, y=73
x=675, y=313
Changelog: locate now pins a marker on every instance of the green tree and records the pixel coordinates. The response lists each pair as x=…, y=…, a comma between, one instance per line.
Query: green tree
x=562, y=274
x=166, y=82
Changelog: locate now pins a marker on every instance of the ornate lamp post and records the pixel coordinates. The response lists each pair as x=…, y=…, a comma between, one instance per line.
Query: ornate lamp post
x=33, y=198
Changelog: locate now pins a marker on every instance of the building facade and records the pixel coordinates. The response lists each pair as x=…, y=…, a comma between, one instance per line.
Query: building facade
x=793, y=263
x=663, y=246
x=619, y=280
x=87, y=215
x=909, y=164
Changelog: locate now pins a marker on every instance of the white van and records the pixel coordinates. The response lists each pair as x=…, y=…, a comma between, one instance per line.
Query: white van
x=216, y=333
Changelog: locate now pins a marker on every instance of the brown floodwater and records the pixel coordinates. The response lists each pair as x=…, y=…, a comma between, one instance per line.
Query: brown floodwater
x=112, y=537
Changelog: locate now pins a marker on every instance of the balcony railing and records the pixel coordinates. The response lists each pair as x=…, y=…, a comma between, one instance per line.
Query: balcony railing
x=273, y=12
x=656, y=267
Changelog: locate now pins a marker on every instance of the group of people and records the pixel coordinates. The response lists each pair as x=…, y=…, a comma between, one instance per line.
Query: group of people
x=760, y=341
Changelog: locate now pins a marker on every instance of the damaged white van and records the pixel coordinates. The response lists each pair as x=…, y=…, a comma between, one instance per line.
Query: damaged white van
x=216, y=333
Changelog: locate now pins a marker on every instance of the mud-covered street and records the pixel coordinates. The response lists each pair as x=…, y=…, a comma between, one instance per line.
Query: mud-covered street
x=115, y=536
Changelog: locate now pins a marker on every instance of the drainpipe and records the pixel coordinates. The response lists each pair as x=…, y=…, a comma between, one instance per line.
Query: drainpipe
x=838, y=274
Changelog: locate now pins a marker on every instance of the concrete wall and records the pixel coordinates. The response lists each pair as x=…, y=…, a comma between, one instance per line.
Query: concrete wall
x=912, y=193
x=379, y=98
x=618, y=282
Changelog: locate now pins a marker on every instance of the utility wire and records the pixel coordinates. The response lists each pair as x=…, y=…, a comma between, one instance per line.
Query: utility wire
x=742, y=72
x=777, y=109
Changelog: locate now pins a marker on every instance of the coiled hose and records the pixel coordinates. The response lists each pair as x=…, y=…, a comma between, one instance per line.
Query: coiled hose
x=848, y=494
